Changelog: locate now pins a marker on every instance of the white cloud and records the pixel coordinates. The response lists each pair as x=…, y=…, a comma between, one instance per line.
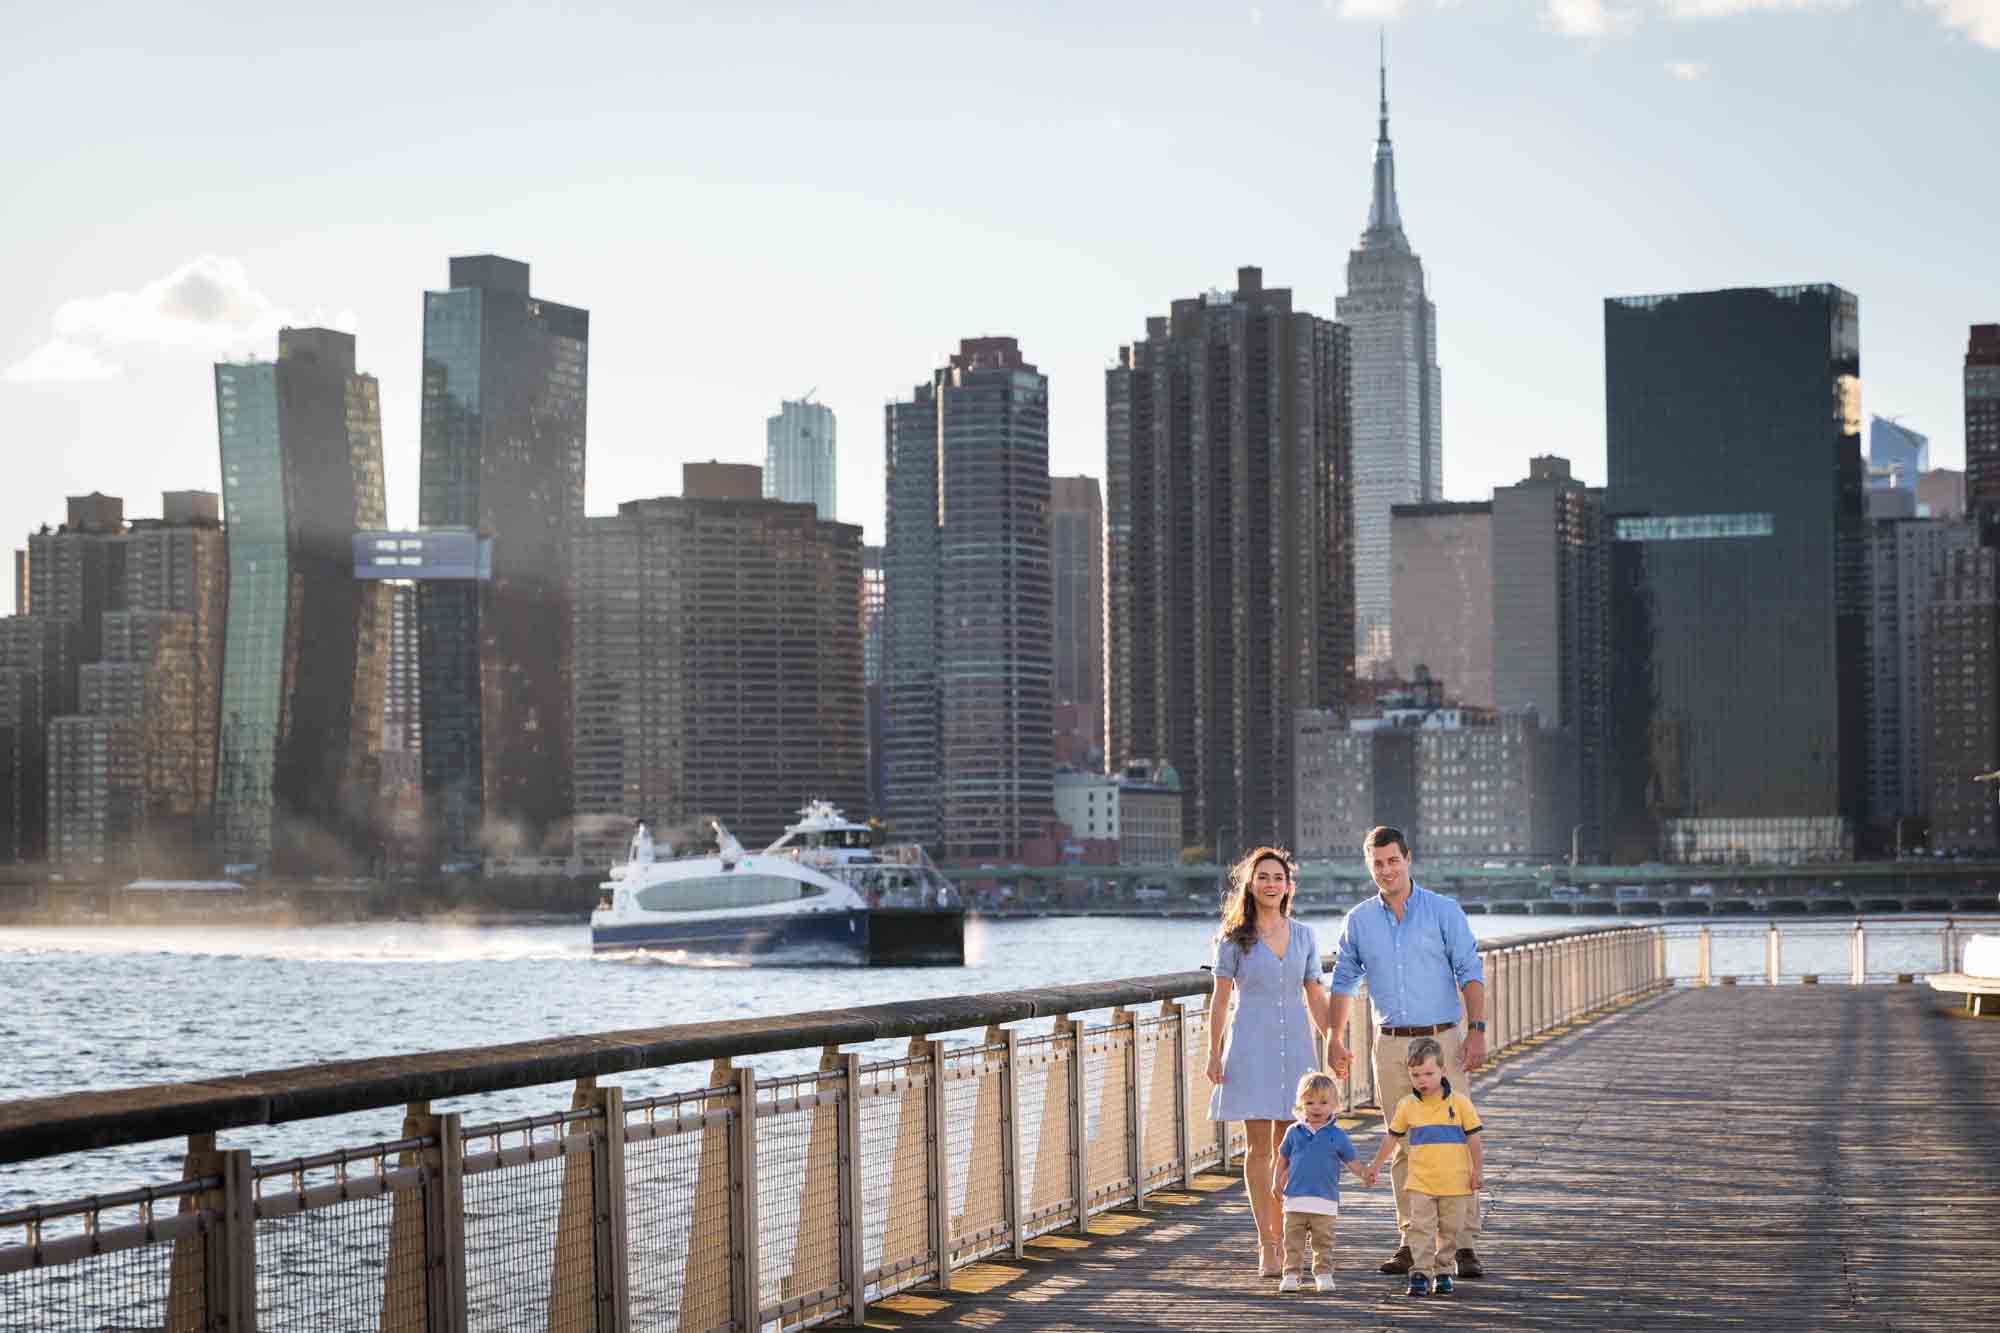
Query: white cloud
x=1688, y=71
x=61, y=362
x=206, y=303
x=1370, y=10
x=1977, y=19
x=1582, y=18
x=1715, y=9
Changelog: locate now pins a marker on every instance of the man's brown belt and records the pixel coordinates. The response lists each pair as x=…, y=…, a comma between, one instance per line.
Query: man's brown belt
x=1427, y=1031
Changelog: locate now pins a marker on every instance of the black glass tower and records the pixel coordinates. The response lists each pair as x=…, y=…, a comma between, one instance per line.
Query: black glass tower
x=502, y=453
x=1736, y=595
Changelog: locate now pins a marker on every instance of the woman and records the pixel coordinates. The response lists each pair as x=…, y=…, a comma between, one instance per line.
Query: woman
x=1269, y=964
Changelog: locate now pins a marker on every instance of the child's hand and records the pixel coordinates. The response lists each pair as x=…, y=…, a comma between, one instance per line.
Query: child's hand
x=1478, y=1180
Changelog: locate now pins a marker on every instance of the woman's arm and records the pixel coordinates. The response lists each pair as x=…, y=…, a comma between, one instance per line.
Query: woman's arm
x=1218, y=1021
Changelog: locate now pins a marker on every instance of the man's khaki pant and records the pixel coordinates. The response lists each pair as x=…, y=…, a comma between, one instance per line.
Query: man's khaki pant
x=1316, y=1227
x=1392, y=1084
x=1438, y=1225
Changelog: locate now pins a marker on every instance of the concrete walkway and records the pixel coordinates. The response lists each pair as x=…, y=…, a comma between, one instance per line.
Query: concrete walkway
x=1808, y=1157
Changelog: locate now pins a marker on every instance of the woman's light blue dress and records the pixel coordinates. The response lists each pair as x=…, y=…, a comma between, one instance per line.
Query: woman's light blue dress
x=1271, y=1041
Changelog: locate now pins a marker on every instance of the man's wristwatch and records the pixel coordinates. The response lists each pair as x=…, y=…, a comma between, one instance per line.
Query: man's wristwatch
x=1477, y=1025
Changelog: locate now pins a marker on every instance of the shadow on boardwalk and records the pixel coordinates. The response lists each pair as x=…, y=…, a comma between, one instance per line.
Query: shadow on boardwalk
x=1798, y=1158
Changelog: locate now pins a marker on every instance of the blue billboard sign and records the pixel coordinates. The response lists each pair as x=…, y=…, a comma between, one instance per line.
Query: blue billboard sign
x=423, y=555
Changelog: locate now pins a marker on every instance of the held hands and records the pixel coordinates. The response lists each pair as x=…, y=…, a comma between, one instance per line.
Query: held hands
x=1338, y=1060
x=1368, y=1174
x=1472, y=1051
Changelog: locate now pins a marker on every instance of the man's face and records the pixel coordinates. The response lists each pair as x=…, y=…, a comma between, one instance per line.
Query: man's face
x=1389, y=868
x=1426, y=1077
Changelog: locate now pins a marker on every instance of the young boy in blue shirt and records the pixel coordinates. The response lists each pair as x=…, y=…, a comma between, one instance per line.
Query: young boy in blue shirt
x=1307, y=1178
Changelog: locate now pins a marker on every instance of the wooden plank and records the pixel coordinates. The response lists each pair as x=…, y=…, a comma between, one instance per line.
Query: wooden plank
x=1780, y=1158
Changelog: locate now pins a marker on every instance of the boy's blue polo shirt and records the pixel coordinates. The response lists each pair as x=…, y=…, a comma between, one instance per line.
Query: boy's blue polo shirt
x=1312, y=1166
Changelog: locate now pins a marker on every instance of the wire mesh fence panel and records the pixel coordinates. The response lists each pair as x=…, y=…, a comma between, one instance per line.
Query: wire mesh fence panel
x=1108, y=1116
x=1043, y=1072
x=1737, y=952
x=677, y=1214
x=1159, y=1137
x=798, y=1197
x=895, y=1174
x=155, y=1285
x=1899, y=950
x=329, y=1268
x=1200, y=1091
x=974, y=1125
x=516, y=1245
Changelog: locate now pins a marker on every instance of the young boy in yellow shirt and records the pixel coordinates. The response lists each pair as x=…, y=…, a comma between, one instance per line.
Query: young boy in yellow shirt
x=1440, y=1132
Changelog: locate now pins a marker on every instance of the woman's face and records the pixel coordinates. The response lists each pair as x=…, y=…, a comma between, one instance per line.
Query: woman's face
x=1269, y=883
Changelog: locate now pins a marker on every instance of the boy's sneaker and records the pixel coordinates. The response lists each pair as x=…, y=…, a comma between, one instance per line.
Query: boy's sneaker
x=1323, y=1282
x=1442, y=1287
x=1289, y=1282
x=1419, y=1285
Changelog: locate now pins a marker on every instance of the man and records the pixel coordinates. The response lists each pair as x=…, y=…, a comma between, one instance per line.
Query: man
x=1416, y=952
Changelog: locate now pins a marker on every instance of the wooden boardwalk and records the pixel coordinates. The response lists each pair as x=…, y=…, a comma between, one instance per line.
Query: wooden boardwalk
x=1808, y=1157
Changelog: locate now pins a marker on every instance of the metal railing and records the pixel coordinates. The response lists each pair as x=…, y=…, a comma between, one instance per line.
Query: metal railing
x=787, y=1201
x=1854, y=951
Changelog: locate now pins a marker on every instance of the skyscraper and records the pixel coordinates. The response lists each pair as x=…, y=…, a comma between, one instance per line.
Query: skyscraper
x=1442, y=577
x=1076, y=548
x=799, y=457
x=1907, y=557
x=1897, y=455
x=967, y=656
x=504, y=388
x=306, y=644
x=718, y=669
x=1982, y=430
x=1230, y=571
x=1738, y=575
x=1398, y=405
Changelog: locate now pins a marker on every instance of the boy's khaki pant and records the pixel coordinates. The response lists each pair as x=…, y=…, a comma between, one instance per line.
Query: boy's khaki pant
x=1392, y=1084
x=1316, y=1227
x=1437, y=1228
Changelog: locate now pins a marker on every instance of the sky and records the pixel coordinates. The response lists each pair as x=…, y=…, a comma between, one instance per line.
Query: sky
x=759, y=201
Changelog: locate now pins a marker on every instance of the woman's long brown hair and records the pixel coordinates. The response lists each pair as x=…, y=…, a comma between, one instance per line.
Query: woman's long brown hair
x=1239, y=919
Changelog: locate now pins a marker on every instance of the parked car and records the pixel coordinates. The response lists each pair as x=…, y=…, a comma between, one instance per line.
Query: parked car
x=1628, y=892
x=1701, y=891
x=1564, y=893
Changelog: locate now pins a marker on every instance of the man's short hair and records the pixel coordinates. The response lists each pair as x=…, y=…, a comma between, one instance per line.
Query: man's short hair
x=1425, y=1048
x=1381, y=836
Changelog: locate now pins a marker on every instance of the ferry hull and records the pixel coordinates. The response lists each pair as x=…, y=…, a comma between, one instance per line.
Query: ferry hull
x=881, y=937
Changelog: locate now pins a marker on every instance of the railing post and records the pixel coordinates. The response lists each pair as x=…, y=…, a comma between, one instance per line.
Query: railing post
x=1950, y=952
x=608, y=1241
x=1079, y=1145
x=575, y=1294
x=232, y=1259
x=1010, y=1139
x=447, y=1232
x=1703, y=970
x=1183, y=1117
x=1860, y=951
x=1134, y=1127
x=1773, y=961
x=746, y=1285
x=935, y=1162
x=1659, y=956
x=848, y=1180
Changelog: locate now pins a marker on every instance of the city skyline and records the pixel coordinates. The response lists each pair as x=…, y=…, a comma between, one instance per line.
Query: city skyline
x=1590, y=141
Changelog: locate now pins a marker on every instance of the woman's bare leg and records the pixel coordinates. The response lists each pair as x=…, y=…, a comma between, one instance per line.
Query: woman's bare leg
x=1258, y=1159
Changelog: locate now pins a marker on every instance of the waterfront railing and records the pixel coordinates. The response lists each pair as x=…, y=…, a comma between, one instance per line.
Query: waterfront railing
x=787, y=1200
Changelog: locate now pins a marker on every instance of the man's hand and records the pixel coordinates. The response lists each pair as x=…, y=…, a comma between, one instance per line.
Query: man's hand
x=1338, y=1061
x=1472, y=1052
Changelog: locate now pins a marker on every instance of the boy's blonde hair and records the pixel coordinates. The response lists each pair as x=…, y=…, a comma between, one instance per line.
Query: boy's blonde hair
x=1315, y=1082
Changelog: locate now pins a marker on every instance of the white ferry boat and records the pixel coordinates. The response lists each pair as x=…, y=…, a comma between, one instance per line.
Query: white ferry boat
x=822, y=893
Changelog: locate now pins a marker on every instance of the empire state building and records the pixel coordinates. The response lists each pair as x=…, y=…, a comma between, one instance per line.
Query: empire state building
x=1398, y=426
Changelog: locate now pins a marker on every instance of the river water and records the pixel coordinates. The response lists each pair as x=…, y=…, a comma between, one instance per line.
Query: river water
x=92, y=1008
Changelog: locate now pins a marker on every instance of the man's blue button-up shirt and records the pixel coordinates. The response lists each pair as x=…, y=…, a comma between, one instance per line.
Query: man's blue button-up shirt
x=1415, y=967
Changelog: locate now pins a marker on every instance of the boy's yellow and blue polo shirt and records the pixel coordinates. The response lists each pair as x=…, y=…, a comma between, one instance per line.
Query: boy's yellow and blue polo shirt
x=1434, y=1131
